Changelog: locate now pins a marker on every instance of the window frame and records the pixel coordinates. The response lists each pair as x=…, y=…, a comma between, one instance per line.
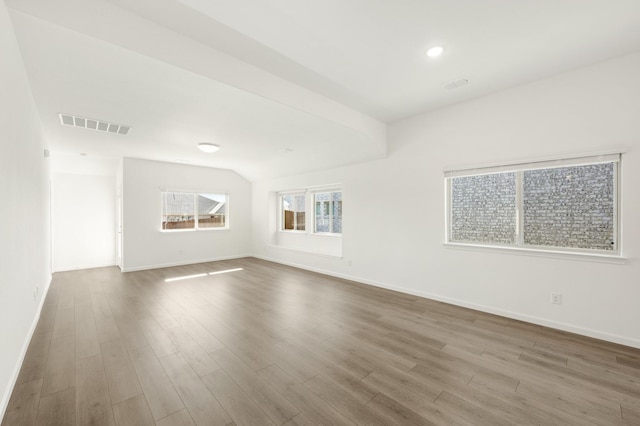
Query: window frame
x=329, y=203
x=281, y=210
x=195, y=194
x=519, y=168
x=310, y=216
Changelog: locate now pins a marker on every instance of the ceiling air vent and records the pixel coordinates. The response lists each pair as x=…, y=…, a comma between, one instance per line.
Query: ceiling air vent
x=92, y=124
x=456, y=84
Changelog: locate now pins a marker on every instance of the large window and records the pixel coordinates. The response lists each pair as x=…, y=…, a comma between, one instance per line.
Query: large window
x=188, y=210
x=293, y=212
x=328, y=212
x=568, y=205
x=324, y=207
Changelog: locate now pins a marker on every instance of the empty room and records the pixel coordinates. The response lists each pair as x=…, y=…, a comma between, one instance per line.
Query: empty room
x=342, y=212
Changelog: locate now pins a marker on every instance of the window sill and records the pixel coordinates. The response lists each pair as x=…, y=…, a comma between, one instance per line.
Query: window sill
x=314, y=234
x=585, y=257
x=315, y=253
x=172, y=231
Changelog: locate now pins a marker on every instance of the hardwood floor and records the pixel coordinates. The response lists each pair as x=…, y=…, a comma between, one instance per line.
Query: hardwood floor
x=274, y=345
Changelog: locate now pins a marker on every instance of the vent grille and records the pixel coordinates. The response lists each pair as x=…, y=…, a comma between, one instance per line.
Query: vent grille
x=93, y=124
x=456, y=84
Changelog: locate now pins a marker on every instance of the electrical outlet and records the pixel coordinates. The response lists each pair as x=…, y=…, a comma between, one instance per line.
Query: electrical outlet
x=556, y=298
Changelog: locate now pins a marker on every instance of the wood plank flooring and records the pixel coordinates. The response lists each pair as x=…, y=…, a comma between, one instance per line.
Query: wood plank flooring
x=274, y=345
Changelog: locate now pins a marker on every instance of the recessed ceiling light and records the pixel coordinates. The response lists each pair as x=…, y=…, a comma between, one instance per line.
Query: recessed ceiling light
x=435, y=51
x=208, y=147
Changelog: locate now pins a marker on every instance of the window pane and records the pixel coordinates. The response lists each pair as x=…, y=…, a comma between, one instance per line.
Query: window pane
x=336, y=202
x=328, y=212
x=483, y=208
x=293, y=212
x=178, y=210
x=570, y=207
x=323, y=220
x=212, y=210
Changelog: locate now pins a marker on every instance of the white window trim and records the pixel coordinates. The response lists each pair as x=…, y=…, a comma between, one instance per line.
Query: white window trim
x=505, y=165
x=313, y=205
x=527, y=251
x=281, y=196
x=226, y=226
x=519, y=168
x=309, y=200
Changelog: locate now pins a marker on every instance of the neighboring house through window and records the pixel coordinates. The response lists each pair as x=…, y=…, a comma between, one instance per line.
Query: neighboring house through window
x=565, y=205
x=293, y=211
x=187, y=210
x=328, y=212
x=325, y=205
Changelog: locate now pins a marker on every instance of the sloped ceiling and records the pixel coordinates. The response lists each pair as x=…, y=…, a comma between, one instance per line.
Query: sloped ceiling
x=289, y=86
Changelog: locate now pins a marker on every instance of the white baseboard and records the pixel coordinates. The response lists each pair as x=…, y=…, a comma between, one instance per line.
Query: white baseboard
x=182, y=263
x=76, y=268
x=596, y=334
x=25, y=346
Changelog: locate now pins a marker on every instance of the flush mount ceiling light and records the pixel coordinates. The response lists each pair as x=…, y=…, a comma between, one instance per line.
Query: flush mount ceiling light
x=92, y=124
x=208, y=147
x=435, y=51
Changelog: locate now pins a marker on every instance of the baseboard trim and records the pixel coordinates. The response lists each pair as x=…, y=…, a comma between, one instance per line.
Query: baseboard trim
x=596, y=334
x=4, y=403
x=77, y=268
x=187, y=262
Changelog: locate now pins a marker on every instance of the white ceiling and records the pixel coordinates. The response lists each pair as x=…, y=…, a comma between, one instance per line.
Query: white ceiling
x=320, y=78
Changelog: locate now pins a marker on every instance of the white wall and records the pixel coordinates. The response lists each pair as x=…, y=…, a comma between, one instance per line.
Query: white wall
x=24, y=211
x=577, y=112
x=84, y=221
x=145, y=246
